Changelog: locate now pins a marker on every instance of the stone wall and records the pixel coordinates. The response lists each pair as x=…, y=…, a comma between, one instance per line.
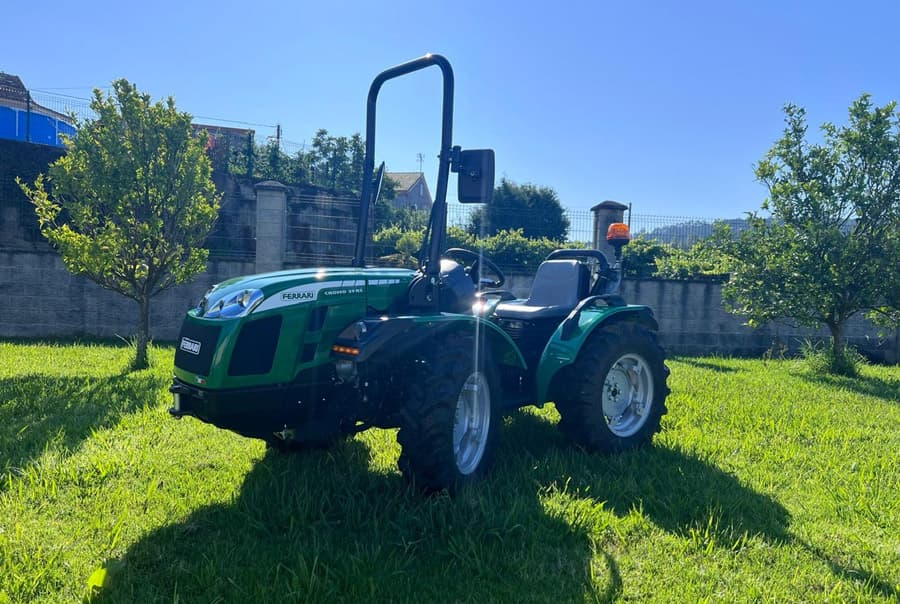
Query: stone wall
x=42, y=299
x=692, y=321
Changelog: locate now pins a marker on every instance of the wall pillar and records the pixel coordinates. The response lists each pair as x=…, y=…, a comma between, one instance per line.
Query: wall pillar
x=271, y=204
x=605, y=214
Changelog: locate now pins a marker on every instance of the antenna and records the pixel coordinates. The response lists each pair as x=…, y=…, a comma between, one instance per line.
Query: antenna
x=420, y=158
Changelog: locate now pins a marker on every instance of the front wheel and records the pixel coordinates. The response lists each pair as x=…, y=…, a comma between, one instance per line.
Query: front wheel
x=618, y=390
x=450, y=419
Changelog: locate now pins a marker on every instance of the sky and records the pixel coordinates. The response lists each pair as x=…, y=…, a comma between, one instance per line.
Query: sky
x=666, y=106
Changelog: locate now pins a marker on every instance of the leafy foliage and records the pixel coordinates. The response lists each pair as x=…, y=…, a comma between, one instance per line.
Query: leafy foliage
x=510, y=250
x=646, y=258
x=132, y=201
x=831, y=248
x=639, y=257
x=331, y=162
x=535, y=210
x=704, y=260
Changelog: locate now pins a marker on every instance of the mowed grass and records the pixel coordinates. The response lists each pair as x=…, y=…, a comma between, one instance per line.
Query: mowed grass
x=766, y=484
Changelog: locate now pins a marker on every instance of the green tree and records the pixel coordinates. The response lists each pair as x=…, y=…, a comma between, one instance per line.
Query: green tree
x=132, y=201
x=831, y=248
x=535, y=210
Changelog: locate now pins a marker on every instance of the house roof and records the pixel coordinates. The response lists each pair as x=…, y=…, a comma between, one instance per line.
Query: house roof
x=405, y=180
x=14, y=94
x=12, y=88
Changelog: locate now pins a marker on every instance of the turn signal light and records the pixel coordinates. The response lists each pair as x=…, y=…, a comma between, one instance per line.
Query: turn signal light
x=618, y=231
x=345, y=350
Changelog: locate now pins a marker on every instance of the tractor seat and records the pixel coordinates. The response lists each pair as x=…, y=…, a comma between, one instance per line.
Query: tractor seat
x=559, y=285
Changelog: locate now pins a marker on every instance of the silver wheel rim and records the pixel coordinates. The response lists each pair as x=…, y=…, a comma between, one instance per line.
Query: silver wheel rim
x=471, y=422
x=627, y=395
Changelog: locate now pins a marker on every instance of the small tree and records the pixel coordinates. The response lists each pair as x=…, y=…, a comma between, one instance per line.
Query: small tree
x=132, y=201
x=535, y=210
x=831, y=248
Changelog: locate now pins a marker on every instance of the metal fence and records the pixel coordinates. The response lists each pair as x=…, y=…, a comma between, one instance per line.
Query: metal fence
x=316, y=227
x=680, y=231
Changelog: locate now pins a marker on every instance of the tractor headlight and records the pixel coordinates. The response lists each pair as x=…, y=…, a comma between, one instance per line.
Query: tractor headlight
x=230, y=305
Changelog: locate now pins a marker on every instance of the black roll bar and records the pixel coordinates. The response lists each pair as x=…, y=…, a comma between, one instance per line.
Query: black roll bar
x=438, y=220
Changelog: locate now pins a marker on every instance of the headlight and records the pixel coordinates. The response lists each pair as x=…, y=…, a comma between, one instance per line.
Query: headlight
x=234, y=305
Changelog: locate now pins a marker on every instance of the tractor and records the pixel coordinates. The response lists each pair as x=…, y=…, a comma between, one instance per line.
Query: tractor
x=303, y=358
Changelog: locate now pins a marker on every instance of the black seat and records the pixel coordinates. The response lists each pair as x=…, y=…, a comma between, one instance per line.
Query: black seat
x=559, y=285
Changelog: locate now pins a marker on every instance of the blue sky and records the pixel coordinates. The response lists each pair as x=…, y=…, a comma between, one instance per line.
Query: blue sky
x=660, y=104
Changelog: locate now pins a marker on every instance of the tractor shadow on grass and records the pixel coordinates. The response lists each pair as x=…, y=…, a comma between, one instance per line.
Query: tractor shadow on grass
x=677, y=491
x=40, y=411
x=339, y=525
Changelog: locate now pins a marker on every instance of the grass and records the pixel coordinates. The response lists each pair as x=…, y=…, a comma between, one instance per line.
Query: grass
x=766, y=484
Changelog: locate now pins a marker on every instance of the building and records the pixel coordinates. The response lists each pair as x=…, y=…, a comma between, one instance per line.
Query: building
x=22, y=119
x=412, y=190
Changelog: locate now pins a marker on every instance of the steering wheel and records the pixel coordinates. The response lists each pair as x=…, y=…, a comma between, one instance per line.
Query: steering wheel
x=379, y=180
x=472, y=261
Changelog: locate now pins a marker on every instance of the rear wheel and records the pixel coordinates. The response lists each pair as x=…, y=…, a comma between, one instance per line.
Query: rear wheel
x=450, y=420
x=617, y=393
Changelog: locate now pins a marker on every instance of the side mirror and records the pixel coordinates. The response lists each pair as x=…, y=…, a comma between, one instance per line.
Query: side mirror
x=476, y=176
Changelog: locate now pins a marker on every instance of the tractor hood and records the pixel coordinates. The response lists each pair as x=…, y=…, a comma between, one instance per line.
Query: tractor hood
x=265, y=329
x=256, y=294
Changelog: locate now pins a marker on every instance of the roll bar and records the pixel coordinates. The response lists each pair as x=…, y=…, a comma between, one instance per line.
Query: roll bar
x=438, y=221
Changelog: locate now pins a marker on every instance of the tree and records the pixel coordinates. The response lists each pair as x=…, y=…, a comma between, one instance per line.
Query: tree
x=831, y=247
x=132, y=201
x=535, y=210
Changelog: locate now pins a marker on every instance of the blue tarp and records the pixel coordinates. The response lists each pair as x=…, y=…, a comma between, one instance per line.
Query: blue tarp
x=42, y=129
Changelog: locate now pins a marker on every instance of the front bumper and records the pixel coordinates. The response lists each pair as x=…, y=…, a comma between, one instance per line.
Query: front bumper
x=254, y=412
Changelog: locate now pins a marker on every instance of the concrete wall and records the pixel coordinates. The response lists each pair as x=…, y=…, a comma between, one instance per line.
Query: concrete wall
x=692, y=321
x=42, y=299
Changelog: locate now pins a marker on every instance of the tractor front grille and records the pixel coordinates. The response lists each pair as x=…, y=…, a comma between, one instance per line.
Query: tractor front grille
x=254, y=351
x=196, y=346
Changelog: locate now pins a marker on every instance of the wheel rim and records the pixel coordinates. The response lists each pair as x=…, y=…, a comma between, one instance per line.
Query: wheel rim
x=627, y=395
x=471, y=422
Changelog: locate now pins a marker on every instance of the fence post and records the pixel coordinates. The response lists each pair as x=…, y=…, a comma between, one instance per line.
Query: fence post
x=605, y=214
x=27, y=117
x=271, y=203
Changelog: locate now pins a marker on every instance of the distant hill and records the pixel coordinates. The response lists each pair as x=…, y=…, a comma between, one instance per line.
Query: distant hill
x=687, y=233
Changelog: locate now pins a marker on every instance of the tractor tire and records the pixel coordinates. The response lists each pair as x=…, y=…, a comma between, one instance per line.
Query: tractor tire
x=450, y=420
x=617, y=390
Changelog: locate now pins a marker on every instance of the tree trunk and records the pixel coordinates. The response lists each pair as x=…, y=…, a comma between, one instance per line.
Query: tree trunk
x=840, y=363
x=837, y=339
x=141, y=360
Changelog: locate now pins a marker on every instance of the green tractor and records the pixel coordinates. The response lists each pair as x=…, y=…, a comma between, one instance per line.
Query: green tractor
x=301, y=358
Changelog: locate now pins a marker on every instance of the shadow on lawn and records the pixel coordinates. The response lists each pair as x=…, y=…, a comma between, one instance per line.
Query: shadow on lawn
x=37, y=411
x=887, y=390
x=677, y=491
x=701, y=364
x=323, y=526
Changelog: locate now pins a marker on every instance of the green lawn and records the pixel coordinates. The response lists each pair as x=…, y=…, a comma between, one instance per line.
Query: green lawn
x=766, y=484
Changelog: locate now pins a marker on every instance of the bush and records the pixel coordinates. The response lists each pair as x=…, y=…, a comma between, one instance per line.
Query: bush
x=510, y=250
x=704, y=260
x=640, y=257
x=819, y=358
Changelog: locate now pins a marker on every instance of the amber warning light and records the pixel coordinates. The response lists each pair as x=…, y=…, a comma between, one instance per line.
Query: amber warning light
x=618, y=233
